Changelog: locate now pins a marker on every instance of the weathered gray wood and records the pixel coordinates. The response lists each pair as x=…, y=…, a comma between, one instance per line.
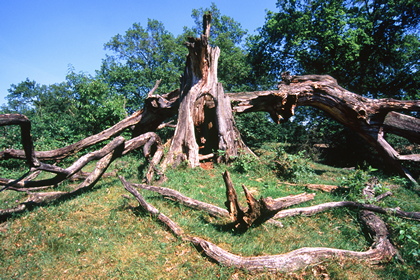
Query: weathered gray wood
x=26, y=138
x=311, y=210
x=370, y=118
x=381, y=250
x=205, y=120
x=403, y=125
x=78, y=146
x=258, y=211
x=41, y=198
x=185, y=200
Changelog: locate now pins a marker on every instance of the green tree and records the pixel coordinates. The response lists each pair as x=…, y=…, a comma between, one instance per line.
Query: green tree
x=141, y=57
x=370, y=47
x=66, y=112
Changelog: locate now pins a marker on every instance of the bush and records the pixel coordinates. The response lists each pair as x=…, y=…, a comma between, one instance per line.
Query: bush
x=292, y=167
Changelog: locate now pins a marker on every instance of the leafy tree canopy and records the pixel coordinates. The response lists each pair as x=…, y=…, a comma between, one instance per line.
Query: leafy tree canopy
x=140, y=57
x=66, y=112
x=371, y=47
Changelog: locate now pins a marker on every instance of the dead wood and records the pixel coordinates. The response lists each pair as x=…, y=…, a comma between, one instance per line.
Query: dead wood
x=177, y=230
x=185, y=200
x=381, y=250
x=105, y=156
x=78, y=146
x=215, y=210
x=205, y=120
x=311, y=210
x=325, y=188
x=36, y=199
x=148, y=119
x=62, y=173
x=258, y=211
x=370, y=118
x=26, y=138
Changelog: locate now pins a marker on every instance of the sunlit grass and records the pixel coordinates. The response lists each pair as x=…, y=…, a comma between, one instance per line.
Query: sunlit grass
x=102, y=235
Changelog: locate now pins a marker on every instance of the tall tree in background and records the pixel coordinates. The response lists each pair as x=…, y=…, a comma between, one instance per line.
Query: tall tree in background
x=370, y=47
x=140, y=57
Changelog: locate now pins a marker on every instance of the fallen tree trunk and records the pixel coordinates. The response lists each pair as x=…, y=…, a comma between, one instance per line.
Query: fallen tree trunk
x=370, y=118
x=381, y=250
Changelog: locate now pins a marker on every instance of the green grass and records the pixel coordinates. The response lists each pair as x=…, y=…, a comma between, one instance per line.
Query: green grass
x=102, y=235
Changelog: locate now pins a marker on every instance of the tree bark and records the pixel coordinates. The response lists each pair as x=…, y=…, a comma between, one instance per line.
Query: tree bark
x=370, y=118
x=26, y=138
x=205, y=120
x=381, y=250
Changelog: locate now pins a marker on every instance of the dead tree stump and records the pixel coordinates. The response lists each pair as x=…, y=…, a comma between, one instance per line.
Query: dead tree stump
x=205, y=120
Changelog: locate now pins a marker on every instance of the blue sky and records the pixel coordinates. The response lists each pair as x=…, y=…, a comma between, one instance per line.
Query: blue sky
x=41, y=39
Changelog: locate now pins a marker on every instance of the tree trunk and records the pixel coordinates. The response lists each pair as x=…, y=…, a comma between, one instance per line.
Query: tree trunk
x=205, y=121
x=370, y=118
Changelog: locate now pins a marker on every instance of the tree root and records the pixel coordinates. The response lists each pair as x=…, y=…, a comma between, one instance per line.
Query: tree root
x=311, y=210
x=105, y=156
x=381, y=250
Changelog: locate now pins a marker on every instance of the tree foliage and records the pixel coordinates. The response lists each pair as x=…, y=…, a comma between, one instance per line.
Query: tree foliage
x=66, y=112
x=140, y=57
x=370, y=47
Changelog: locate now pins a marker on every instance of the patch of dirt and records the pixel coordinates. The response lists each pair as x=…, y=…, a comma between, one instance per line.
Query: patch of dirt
x=207, y=165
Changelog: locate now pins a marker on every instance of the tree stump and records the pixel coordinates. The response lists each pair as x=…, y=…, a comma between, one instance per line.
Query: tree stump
x=205, y=128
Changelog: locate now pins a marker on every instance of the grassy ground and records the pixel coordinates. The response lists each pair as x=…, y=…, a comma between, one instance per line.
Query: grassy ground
x=103, y=235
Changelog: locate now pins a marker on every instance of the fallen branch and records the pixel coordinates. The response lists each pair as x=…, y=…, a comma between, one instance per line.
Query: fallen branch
x=381, y=251
x=62, y=173
x=177, y=230
x=258, y=211
x=185, y=200
x=36, y=199
x=215, y=210
x=311, y=210
x=78, y=146
x=105, y=156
